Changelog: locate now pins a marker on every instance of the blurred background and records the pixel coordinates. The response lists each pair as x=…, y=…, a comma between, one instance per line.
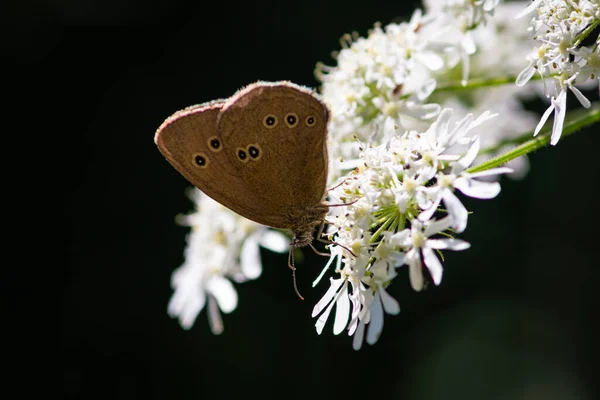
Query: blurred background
x=514, y=318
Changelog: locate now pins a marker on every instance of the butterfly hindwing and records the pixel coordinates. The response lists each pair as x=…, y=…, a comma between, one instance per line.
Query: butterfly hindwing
x=190, y=142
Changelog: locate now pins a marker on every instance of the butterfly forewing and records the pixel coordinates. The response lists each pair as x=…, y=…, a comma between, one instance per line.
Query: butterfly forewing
x=281, y=129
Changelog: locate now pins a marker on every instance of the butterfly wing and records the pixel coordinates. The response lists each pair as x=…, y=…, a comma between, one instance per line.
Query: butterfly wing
x=190, y=142
x=275, y=136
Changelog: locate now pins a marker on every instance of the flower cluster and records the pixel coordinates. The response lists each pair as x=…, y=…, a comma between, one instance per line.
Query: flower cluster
x=396, y=70
x=500, y=45
x=402, y=136
x=221, y=246
x=393, y=219
x=370, y=83
x=560, y=59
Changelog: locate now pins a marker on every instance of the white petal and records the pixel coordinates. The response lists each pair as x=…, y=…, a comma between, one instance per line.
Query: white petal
x=390, y=304
x=489, y=5
x=224, y=293
x=323, y=318
x=459, y=130
x=415, y=274
x=274, y=241
x=455, y=208
x=433, y=264
x=424, y=111
x=355, y=299
x=186, y=306
x=397, y=259
x=525, y=75
x=559, y=117
x=472, y=152
x=442, y=122
x=486, y=115
x=430, y=59
x=353, y=324
x=528, y=9
x=489, y=172
x=519, y=166
x=328, y=296
x=250, y=257
x=427, y=214
x=376, y=324
x=468, y=44
x=543, y=119
x=365, y=311
x=477, y=189
x=582, y=99
x=448, y=244
x=358, y=336
x=437, y=226
x=425, y=90
x=342, y=312
x=415, y=18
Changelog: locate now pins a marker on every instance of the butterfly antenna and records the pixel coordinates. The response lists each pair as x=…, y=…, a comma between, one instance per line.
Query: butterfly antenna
x=293, y=268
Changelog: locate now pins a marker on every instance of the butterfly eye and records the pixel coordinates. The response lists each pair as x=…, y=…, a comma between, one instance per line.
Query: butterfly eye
x=214, y=144
x=254, y=151
x=310, y=120
x=291, y=120
x=270, y=121
x=200, y=160
x=242, y=155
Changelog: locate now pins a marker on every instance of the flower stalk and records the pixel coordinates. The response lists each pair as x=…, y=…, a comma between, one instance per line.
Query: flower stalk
x=578, y=120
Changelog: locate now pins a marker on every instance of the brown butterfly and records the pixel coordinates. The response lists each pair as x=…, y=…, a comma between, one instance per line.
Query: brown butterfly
x=262, y=153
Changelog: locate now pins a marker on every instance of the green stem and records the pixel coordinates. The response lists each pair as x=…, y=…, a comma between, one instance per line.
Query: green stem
x=481, y=82
x=381, y=229
x=585, y=33
x=578, y=119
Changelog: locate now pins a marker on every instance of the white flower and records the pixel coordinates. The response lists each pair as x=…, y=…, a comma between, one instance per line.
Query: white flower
x=560, y=57
x=500, y=42
x=419, y=246
x=358, y=304
x=386, y=75
x=464, y=13
x=558, y=105
x=222, y=246
x=337, y=295
x=465, y=183
x=379, y=231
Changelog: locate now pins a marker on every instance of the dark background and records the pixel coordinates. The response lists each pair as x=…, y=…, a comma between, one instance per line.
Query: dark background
x=515, y=316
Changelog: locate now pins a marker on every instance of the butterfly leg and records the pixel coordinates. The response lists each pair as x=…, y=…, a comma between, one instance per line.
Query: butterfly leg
x=319, y=253
x=319, y=233
x=342, y=204
x=339, y=184
x=326, y=241
x=293, y=268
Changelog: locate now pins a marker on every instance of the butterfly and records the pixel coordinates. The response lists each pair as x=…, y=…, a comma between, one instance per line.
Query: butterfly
x=261, y=153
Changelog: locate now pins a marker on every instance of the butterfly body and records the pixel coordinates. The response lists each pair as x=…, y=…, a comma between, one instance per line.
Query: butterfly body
x=262, y=153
